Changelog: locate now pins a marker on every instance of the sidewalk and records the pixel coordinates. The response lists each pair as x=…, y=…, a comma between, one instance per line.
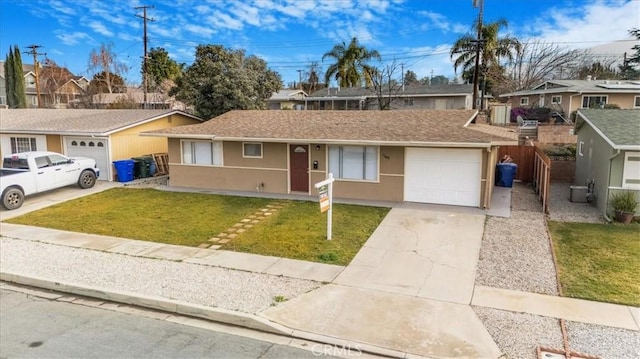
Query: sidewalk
x=408, y=293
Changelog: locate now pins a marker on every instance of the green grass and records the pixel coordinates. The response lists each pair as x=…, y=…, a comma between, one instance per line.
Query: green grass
x=297, y=231
x=598, y=261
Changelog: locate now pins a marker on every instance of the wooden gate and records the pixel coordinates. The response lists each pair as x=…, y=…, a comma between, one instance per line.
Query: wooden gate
x=542, y=178
x=524, y=157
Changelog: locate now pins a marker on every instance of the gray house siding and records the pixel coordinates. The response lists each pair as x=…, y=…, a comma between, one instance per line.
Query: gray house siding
x=593, y=164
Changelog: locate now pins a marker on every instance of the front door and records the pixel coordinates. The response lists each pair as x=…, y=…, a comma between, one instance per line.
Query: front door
x=299, y=168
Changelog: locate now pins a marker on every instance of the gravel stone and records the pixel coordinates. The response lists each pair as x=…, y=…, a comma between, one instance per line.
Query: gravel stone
x=605, y=342
x=199, y=284
x=519, y=334
x=515, y=254
x=563, y=210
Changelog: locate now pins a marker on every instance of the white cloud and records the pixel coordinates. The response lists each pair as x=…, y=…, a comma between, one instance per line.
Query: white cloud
x=441, y=22
x=72, y=38
x=199, y=30
x=61, y=7
x=596, y=22
x=202, y=9
x=99, y=27
x=127, y=37
x=225, y=21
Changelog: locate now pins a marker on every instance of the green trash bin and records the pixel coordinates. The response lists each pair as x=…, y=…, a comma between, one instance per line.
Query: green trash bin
x=141, y=167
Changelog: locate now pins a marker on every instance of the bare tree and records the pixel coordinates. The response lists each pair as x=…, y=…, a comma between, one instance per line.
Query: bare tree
x=104, y=61
x=535, y=62
x=384, y=84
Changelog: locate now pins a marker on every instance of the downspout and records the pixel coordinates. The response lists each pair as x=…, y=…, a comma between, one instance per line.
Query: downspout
x=606, y=201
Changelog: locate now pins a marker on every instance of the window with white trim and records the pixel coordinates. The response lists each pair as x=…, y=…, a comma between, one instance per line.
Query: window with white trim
x=252, y=150
x=636, y=102
x=594, y=101
x=631, y=171
x=202, y=153
x=556, y=100
x=23, y=144
x=354, y=162
x=581, y=148
x=524, y=101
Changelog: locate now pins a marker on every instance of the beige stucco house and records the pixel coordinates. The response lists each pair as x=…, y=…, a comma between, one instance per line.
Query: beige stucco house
x=568, y=96
x=104, y=135
x=429, y=156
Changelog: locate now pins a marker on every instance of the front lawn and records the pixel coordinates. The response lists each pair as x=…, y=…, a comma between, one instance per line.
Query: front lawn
x=297, y=230
x=598, y=261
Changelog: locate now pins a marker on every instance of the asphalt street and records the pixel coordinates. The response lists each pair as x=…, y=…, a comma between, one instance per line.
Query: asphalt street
x=35, y=327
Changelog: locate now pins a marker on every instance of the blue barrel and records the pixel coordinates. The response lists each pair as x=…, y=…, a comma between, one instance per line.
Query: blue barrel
x=124, y=170
x=505, y=173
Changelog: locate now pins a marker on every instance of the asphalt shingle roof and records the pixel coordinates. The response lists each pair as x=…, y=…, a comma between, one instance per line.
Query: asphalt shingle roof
x=74, y=121
x=592, y=86
x=414, y=90
x=621, y=127
x=431, y=126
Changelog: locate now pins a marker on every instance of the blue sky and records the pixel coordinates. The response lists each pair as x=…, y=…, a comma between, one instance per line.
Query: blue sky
x=290, y=34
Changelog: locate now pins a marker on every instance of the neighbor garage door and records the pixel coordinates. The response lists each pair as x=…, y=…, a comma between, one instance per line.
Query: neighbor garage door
x=443, y=176
x=96, y=148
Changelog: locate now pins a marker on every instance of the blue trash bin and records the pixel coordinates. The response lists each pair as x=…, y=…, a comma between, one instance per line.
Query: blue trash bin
x=124, y=170
x=505, y=173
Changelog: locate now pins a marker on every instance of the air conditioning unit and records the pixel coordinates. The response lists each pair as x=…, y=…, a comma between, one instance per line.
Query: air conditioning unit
x=578, y=194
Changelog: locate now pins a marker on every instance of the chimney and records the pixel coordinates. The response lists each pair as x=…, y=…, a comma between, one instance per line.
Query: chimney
x=588, y=77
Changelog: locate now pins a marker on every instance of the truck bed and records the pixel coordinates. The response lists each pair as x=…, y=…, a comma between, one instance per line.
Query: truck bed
x=10, y=171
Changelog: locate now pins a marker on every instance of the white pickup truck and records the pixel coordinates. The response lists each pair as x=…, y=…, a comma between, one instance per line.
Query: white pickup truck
x=26, y=173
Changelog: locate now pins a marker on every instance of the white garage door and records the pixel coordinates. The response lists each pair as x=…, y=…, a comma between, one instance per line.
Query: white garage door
x=96, y=148
x=443, y=176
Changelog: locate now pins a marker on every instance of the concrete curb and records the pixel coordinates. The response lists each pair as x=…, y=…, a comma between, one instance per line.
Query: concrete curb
x=220, y=315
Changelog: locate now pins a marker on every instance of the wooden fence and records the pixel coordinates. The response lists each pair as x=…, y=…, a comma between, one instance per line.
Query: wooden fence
x=533, y=167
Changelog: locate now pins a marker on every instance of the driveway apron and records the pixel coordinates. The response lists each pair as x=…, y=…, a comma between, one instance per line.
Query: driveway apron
x=414, y=277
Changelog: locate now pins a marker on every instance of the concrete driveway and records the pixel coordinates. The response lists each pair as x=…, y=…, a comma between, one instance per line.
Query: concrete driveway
x=414, y=278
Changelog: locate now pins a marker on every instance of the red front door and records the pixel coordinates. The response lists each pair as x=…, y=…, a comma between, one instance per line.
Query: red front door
x=299, y=167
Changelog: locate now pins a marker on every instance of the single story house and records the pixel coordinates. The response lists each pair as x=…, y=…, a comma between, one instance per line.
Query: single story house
x=608, y=152
x=436, y=97
x=567, y=96
x=287, y=100
x=104, y=135
x=429, y=156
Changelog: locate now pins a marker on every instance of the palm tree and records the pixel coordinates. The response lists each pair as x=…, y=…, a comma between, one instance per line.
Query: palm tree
x=492, y=48
x=351, y=63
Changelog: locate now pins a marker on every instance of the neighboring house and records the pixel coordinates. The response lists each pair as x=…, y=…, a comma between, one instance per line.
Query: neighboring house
x=437, y=97
x=429, y=156
x=104, y=135
x=608, y=152
x=287, y=100
x=567, y=96
x=133, y=98
x=58, y=86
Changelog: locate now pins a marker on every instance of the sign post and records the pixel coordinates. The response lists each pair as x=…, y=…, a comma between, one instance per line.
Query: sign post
x=325, y=190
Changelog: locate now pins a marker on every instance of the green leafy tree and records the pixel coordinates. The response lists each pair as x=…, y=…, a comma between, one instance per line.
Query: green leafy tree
x=221, y=79
x=598, y=71
x=105, y=82
x=492, y=49
x=410, y=78
x=14, y=79
x=439, y=80
x=162, y=71
x=351, y=63
x=630, y=70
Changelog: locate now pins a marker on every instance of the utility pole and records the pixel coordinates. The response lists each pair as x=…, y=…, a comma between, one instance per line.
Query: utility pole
x=144, y=59
x=300, y=79
x=480, y=4
x=402, y=71
x=431, y=78
x=35, y=53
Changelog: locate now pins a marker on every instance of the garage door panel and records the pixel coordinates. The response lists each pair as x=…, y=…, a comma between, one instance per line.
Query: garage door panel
x=443, y=176
x=90, y=147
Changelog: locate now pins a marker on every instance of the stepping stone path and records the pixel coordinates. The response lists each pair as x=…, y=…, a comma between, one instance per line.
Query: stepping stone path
x=243, y=225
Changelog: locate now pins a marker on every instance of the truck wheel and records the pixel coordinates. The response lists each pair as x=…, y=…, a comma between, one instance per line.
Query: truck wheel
x=12, y=198
x=87, y=179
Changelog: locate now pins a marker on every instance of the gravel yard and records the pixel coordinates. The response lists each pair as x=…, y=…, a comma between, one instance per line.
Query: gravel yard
x=515, y=252
x=198, y=284
x=519, y=334
x=605, y=342
x=562, y=210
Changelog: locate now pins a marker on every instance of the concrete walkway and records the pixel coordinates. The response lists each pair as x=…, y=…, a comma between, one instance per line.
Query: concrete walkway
x=407, y=293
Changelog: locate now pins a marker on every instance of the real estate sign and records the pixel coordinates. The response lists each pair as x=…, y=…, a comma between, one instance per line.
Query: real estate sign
x=325, y=204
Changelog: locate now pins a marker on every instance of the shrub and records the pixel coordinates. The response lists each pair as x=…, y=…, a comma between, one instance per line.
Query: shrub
x=624, y=201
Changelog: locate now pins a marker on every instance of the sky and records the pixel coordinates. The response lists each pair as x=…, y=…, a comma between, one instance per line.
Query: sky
x=291, y=34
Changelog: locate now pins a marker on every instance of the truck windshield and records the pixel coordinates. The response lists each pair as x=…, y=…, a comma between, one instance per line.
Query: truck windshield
x=20, y=163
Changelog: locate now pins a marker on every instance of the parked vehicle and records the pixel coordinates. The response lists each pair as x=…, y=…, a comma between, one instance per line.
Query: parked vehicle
x=26, y=173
